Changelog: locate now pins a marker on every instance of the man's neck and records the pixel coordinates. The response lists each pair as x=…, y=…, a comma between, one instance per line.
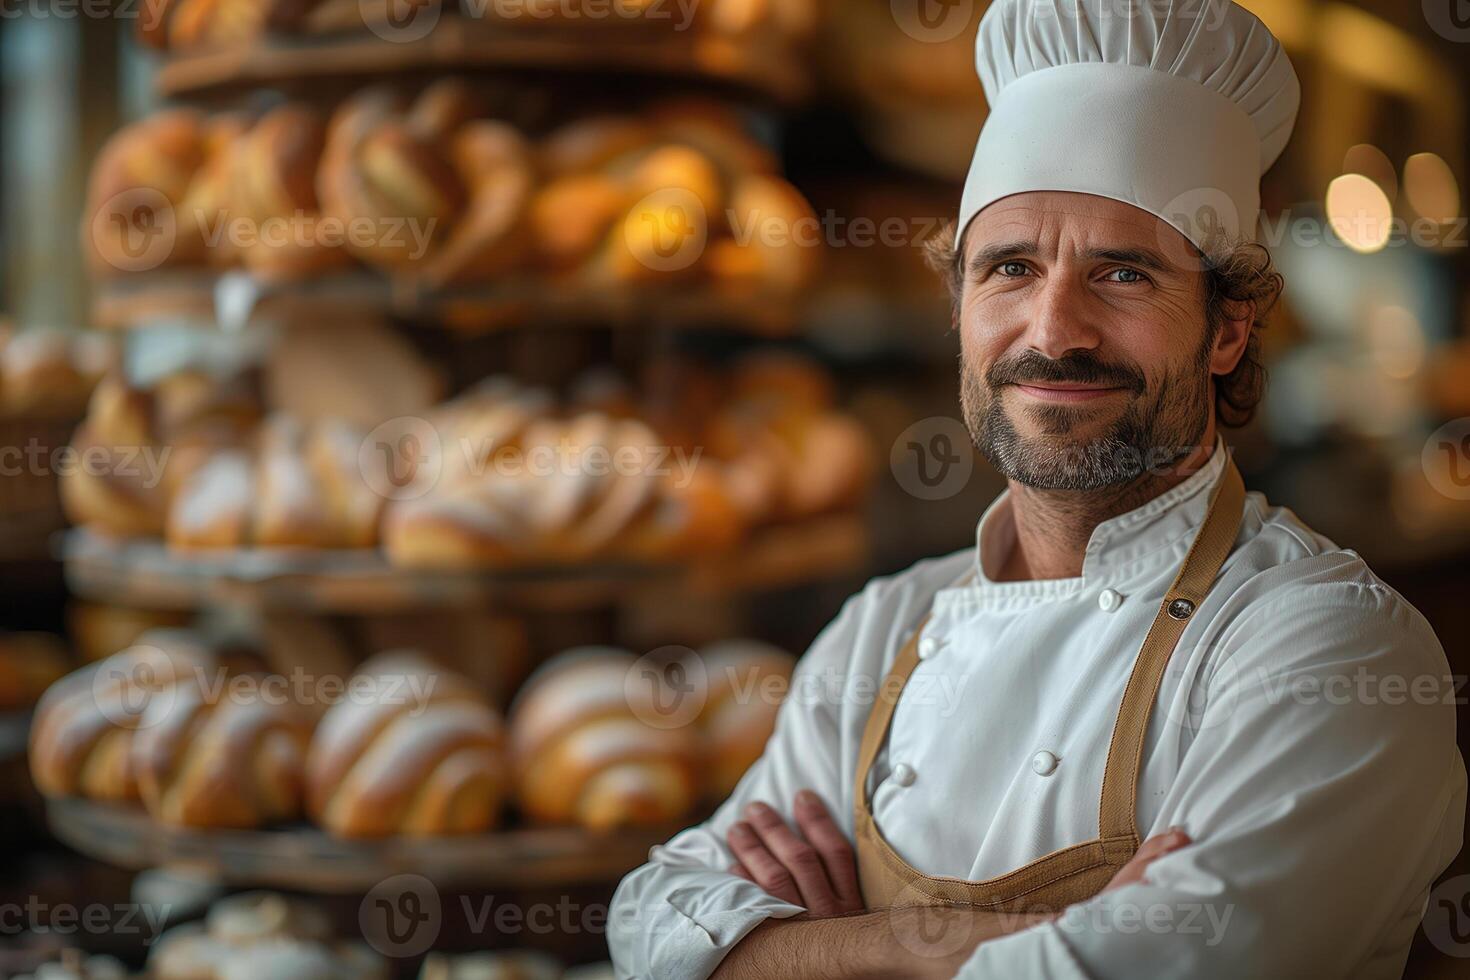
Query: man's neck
x=1054, y=526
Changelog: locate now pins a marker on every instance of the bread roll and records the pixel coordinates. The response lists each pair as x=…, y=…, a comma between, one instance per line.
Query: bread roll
x=586, y=753
x=573, y=215
x=86, y=723
x=414, y=751
x=137, y=184
x=776, y=240
x=746, y=681
x=260, y=934
x=222, y=755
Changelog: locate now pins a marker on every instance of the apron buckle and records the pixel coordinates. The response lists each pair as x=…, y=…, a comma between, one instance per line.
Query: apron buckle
x=1181, y=609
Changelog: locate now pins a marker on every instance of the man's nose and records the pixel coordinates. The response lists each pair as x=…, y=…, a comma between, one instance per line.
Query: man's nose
x=1062, y=318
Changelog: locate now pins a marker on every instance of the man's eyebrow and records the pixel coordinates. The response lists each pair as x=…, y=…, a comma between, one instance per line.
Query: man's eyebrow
x=1147, y=258
x=999, y=252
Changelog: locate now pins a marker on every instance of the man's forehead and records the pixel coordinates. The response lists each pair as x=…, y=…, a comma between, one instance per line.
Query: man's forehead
x=1055, y=220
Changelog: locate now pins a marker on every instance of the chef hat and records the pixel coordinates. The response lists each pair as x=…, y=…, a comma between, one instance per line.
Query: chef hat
x=1174, y=106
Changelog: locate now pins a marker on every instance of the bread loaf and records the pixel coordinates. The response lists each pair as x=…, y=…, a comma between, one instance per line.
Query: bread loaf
x=586, y=748
x=415, y=751
x=86, y=723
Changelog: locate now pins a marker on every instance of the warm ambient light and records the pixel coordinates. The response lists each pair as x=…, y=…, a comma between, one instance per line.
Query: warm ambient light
x=1396, y=341
x=1431, y=188
x=1359, y=212
x=1373, y=163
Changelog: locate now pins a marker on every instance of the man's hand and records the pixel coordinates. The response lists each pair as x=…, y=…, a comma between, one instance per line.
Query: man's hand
x=815, y=869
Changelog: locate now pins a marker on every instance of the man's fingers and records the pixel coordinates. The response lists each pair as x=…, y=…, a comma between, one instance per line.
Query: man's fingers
x=762, y=866
x=798, y=857
x=1148, y=852
x=817, y=826
x=740, y=871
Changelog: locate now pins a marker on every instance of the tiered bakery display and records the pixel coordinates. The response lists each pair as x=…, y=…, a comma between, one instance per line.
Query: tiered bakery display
x=452, y=432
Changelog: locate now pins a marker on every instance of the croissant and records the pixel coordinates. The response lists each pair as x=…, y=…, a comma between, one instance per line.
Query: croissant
x=587, y=749
x=745, y=683
x=424, y=755
x=86, y=723
x=229, y=757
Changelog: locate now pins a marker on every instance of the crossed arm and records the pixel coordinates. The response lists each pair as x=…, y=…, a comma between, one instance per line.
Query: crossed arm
x=812, y=865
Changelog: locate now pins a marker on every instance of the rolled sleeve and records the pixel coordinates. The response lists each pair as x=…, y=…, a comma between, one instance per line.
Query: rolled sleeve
x=679, y=915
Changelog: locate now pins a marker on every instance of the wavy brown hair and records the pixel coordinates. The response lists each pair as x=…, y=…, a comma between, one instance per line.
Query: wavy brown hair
x=1245, y=277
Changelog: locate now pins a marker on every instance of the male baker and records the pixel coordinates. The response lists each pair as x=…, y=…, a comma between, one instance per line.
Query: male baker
x=1150, y=725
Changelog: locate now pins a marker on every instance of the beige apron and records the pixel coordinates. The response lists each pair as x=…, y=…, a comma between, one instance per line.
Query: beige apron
x=1080, y=871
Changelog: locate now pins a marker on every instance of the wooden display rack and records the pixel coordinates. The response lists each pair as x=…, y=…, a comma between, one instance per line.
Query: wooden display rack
x=142, y=573
x=758, y=66
x=146, y=299
x=306, y=859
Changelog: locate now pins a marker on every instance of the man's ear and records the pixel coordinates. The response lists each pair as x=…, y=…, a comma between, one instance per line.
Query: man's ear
x=1237, y=317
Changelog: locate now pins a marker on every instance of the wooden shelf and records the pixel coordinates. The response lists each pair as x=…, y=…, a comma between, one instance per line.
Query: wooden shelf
x=147, y=299
x=760, y=67
x=143, y=573
x=306, y=859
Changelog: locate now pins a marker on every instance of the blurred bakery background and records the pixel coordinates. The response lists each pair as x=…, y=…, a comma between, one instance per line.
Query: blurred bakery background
x=498, y=396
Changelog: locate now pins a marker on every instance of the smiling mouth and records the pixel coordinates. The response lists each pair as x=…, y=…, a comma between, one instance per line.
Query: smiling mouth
x=1071, y=393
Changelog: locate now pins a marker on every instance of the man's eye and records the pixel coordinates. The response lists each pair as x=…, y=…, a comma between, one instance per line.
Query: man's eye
x=1126, y=275
x=1013, y=268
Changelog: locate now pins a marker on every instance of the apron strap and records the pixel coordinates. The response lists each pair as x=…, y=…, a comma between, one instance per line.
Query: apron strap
x=1117, y=817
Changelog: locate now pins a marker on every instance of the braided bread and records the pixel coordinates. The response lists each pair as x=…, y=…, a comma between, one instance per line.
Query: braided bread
x=423, y=756
x=585, y=751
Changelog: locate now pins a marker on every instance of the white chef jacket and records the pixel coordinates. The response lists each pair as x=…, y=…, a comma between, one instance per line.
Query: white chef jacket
x=1303, y=736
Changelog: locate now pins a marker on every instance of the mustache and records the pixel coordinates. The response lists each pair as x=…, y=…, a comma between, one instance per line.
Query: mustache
x=1077, y=367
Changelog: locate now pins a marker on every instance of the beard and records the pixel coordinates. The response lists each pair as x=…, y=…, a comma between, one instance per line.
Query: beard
x=1160, y=425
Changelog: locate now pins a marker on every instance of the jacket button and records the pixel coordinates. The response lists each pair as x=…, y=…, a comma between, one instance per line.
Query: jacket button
x=1044, y=763
x=1109, y=599
x=904, y=774
x=928, y=647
